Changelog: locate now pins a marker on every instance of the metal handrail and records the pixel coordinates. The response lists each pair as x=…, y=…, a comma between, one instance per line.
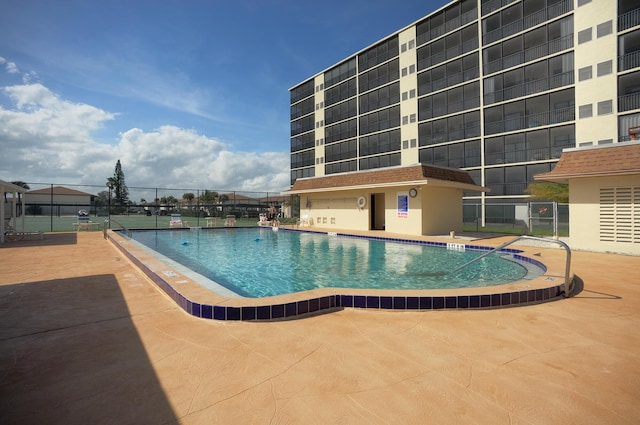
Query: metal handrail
x=567, y=275
x=128, y=233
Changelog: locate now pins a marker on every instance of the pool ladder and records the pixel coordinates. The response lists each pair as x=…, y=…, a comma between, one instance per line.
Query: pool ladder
x=567, y=271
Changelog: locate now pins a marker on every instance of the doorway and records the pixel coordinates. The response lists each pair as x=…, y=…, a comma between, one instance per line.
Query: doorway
x=377, y=211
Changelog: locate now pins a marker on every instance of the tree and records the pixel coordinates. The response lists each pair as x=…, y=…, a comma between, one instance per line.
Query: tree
x=119, y=187
x=545, y=191
x=188, y=197
x=209, y=198
x=102, y=199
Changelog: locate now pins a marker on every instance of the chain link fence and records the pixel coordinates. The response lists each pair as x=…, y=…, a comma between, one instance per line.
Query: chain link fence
x=58, y=208
x=526, y=218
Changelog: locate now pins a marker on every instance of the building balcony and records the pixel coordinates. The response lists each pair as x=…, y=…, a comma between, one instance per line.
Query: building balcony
x=452, y=80
x=469, y=132
x=629, y=61
x=528, y=21
x=450, y=108
x=525, y=155
x=629, y=102
x=501, y=189
x=530, y=121
x=629, y=20
x=491, y=5
x=532, y=53
x=530, y=87
x=451, y=52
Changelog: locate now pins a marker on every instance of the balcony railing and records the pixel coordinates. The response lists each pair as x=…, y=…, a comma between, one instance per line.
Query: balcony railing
x=530, y=54
x=470, y=131
x=530, y=121
x=629, y=20
x=629, y=102
x=492, y=5
x=449, y=53
x=530, y=87
x=629, y=61
x=507, y=188
x=526, y=155
x=528, y=21
x=450, y=108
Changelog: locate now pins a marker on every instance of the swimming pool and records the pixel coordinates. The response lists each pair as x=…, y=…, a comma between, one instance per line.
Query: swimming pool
x=260, y=262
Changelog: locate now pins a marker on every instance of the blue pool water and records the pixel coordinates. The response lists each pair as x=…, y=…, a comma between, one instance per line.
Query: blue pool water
x=258, y=262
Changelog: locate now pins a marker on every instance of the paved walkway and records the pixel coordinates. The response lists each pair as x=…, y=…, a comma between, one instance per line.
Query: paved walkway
x=86, y=339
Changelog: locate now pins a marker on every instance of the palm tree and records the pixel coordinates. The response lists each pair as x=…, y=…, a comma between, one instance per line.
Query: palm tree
x=209, y=198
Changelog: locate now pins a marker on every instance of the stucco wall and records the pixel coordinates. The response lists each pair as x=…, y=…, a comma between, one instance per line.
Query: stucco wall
x=443, y=211
x=336, y=210
x=339, y=210
x=584, y=214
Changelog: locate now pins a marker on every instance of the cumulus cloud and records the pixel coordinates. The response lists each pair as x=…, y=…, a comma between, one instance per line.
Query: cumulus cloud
x=47, y=139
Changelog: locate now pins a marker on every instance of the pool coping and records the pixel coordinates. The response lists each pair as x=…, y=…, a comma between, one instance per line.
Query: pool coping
x=201, y=302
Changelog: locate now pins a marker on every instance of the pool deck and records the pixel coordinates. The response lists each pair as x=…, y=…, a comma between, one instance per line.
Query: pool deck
x=85, y=337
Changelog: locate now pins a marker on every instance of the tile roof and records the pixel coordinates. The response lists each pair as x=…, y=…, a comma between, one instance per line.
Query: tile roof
x=610, y=160
x=413, y=174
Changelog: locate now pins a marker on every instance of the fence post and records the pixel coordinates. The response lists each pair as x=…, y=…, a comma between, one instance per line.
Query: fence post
x=555, y=219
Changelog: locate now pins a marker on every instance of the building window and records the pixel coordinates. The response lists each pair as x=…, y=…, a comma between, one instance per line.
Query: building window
x=412, y=118
x=404, y=72
x=412, y=44
x=605, y=107
x=405, y=120
x=413, y=143
x=585, y=111
x=584, y=73
x=412, y=93
x=405, y=144
x=403, y=47
x=604, y=29
x=405, y=96
x=584, y=36
x=583, y=2
x=605, y=68
x=605, y=141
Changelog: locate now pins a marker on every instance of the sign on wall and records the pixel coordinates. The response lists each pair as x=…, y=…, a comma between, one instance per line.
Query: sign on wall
x=403, y=205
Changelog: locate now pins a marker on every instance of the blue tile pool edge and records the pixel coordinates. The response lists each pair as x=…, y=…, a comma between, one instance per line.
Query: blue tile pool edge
x=305, y=308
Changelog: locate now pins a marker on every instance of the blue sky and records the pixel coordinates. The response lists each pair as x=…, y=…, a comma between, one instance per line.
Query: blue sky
x=185, y=93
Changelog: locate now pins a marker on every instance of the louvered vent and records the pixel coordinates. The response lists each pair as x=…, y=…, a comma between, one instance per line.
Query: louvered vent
x=620, y=214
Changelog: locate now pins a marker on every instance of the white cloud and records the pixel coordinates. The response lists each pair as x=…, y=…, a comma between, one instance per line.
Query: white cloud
x=30, y=77
x=44, y=138
x=10, y=67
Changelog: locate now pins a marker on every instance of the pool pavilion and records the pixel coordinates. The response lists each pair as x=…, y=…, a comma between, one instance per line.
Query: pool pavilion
x=412, y=200
x=11, y=193
x=604, y=196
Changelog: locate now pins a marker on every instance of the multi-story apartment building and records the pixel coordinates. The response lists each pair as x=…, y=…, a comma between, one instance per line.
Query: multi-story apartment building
x=497, y=88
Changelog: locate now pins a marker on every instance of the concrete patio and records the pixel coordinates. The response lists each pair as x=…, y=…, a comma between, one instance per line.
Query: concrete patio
x=85, y=338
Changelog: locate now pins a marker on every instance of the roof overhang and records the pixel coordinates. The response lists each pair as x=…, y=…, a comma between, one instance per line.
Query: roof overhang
x=7, y=187
x=403, y=176
x=614, y=160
